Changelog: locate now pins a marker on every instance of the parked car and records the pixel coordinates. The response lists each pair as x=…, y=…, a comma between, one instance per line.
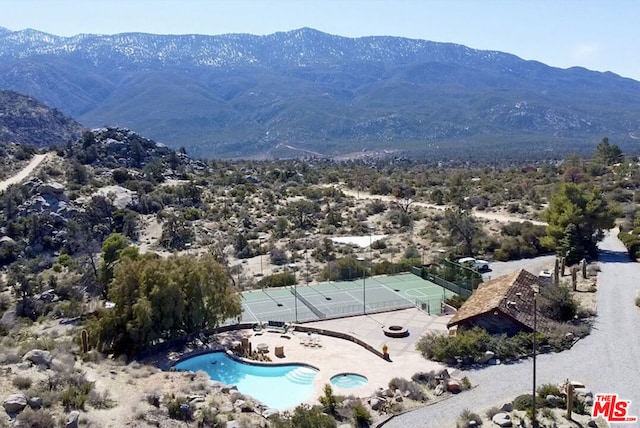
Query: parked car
x=481, y=265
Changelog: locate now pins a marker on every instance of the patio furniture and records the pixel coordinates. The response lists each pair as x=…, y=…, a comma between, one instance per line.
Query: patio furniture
x=279, y=351
x=262, y=348
x=277, y=326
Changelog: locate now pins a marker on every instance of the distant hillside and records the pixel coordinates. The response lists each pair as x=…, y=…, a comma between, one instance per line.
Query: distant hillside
x=24, y=120
x=305, y=92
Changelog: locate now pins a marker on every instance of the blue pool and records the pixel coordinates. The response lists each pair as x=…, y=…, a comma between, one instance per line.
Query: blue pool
x=349, y=380
x=277, y=386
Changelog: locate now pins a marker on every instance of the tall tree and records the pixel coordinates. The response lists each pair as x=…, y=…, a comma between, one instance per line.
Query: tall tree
x=160, y=299
x=462, y=227
x=608, y=154
x=577, y=216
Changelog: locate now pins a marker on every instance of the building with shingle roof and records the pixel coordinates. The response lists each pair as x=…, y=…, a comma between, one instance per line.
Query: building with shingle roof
x=502, y=305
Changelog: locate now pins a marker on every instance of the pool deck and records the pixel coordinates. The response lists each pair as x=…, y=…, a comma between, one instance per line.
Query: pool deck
x=337, y=356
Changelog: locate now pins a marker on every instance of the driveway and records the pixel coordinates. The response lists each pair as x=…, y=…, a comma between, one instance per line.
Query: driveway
x=607, y=361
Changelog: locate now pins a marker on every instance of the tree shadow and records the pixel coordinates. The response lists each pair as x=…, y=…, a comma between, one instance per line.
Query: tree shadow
x=611, y=256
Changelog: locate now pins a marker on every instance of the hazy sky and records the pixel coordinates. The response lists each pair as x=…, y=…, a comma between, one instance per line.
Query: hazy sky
x=600, y=35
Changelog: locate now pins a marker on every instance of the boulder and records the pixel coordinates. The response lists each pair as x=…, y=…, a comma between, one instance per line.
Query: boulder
x=439, y=389
x=35, y=402
x=592, y=423
x=488, y=355
x=15, y=403
x=552, y=400
x=444, y=374
x=398, y=399
x=467, y=361
x=453, y=386
x=507, y=407
x=233, y=424
x=72, y=419
x=585, y=395
x=51, y=188
x=376, y=403
x=269, y=413
x=494, y=362
x=39, y=357
x=502, y=420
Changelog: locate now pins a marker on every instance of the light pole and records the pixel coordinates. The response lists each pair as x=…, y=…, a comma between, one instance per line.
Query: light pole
x=260, y=249
x=364, y=288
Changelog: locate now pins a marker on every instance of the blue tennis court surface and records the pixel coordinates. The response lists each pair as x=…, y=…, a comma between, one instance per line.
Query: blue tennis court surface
x=342, y=298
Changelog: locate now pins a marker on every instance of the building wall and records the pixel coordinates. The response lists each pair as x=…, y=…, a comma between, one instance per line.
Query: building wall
x=494, y=324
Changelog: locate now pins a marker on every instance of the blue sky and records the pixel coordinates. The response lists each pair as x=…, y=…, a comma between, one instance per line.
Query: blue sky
x=600, y=35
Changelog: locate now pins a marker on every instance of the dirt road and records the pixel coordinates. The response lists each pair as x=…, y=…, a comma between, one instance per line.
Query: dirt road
x=37, y=160
x=500, y=217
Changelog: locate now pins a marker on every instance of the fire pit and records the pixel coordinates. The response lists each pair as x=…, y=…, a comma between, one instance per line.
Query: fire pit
x=395, y=331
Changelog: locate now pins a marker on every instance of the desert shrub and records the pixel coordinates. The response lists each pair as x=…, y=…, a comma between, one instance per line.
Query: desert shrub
x=579, y=406
x=466, y=417
x=468, y=343
x=361, y=416
x=492, y=412
x=278, y=280
x=180, y=409
x=35, y=419
x=524, y=402
x=638, y=301
x=413, y=389
x=100, y=400
x=206, y=417
x=153, y=399
x=465, y=383
x=547, y=389
x=426, y=378
x=75, y=397
x=548, y=413
x=329, y=401
x=305, y=416
x=22, y=382
x=455, y=301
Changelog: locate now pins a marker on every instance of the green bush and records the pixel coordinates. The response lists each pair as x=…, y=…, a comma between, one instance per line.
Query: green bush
x=180, y=409
x=524, y=402
x=426, y=378
x=547, y=389
x=361, y=416
x=467, y=416
x=278, y=280
x=305, y=416
x=75, y=397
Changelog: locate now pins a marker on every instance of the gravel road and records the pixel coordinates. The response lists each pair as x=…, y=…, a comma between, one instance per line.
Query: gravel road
x=607, y=361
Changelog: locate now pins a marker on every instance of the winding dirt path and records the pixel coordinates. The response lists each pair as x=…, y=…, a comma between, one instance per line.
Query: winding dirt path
x=24, y=173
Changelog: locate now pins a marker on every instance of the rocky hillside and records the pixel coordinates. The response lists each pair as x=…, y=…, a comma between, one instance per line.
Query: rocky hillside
x=305, y=92
x=27, y=121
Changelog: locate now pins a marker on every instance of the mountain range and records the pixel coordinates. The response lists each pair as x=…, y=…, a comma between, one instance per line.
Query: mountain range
x=305, y=92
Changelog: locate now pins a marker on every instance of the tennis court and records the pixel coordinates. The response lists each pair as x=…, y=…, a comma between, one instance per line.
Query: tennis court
x=342, y=298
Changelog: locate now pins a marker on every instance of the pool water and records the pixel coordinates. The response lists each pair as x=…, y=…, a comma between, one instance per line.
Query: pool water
x=349, y=380
x=277, y=386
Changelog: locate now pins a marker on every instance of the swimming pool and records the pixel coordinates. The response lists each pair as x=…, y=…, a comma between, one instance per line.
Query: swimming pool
x=277, y=386
x=349, y=380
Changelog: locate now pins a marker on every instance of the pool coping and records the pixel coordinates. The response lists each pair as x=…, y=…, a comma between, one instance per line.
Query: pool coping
x=239, y=359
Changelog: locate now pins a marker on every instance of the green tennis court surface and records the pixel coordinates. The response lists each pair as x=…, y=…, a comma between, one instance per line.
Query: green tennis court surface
x=342, y=298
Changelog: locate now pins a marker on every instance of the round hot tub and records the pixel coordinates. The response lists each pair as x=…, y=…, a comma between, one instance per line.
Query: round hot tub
x=349, y=380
